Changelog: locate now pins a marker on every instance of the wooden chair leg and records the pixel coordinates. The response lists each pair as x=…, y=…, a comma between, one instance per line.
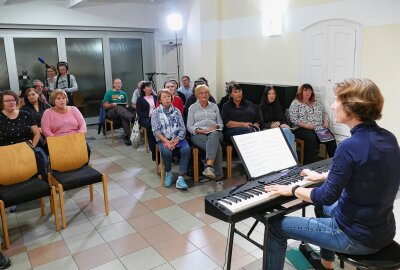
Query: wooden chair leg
x=54, y=207
x=105, y=128
x=196, y=165
x=50, y=181
x=162, y=171
x=105, y=193
x=61, y=198
x=41, y=200
x=4, y=223
x=146, y=143
x=91, y=192
x=157, y=159
x=229, y=161
x=112, y=131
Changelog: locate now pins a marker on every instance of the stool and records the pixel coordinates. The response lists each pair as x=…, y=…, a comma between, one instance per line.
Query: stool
x=385, y=259
x=159, y=161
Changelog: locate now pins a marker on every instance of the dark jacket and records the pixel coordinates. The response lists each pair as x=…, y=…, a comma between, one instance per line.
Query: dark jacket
x=143, y=109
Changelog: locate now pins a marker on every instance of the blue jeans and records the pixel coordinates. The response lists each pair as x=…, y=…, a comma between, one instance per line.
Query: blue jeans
x=166, y=155
x=323, y=232
x=290, y=138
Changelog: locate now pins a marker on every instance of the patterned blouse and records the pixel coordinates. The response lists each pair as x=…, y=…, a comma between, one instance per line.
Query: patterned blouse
x=168, y=122
x=16, y=130
x=308, y=114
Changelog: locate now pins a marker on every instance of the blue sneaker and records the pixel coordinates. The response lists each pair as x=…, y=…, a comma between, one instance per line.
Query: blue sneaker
x=168, y=179
x=181, y=183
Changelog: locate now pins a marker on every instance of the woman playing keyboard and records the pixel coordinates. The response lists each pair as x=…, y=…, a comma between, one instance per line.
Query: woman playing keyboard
x=357, y=195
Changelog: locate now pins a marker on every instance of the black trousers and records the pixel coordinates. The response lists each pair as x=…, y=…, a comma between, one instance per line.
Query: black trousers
x=311, y=144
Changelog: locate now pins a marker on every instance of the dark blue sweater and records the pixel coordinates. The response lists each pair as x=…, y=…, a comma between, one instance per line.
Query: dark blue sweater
x=364, y=179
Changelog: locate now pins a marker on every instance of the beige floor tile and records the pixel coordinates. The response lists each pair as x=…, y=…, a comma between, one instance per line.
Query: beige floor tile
x=83, y=241
x=123, y=201
x=115, y=231
x=180, y=196
x=158, y=203
x=165, y=266
x=145, y=221
x=41, y=238
x=146, y=195
x=108, y=168
x=48, y=253
x=159, y=233
x=216, y=251
x=105, y=220
x=128, y=244
x=193, y=205
x=66, y=263
x=146, y=258
x=20, y=262
x=185, y=224
x=171, y=213
x=204, y=236
x=174, y=248
x=195, y=260
x=94, y=256
x=114, y=265
x=77, y=227
x=133, y=211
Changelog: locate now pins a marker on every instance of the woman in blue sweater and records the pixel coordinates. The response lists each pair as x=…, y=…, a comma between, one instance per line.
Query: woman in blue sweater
x=357, y=194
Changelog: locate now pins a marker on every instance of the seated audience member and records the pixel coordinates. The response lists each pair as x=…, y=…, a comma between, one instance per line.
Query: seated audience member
x=66, y=81
x=34, y=106
x=179, y=94
x=145, y=106
x=307, y=114
x=177, y=101
x=62, y=119
x=16, y=126
x=40, y=90
x=272, y=116
x=204, y=123
x=169, y=131
x=240, y=116
x=186, y=88
x=116, y=103
x=136, y=94
x=225, y=98
x=192, y=99
x=358, y=193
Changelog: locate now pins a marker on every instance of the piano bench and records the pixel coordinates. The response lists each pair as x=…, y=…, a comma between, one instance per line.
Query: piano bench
x=385, y=259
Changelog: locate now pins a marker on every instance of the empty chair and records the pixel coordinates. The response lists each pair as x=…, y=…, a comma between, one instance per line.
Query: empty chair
x=20, y=182
x=70, y=169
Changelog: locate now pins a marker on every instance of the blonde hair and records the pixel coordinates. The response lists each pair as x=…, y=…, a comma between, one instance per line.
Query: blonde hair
x=54, y=95
x=199, y=88
x=361, y=98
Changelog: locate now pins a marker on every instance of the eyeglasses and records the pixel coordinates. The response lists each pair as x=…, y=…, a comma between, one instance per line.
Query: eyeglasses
x=9, y=100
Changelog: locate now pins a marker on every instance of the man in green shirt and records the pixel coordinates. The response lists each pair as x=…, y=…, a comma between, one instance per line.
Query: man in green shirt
x=116, y=103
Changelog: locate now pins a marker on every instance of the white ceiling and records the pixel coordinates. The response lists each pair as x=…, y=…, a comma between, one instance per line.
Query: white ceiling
x=86, y=3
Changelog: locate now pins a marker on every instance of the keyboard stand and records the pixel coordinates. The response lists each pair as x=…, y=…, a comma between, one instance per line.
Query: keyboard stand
x=266, y=218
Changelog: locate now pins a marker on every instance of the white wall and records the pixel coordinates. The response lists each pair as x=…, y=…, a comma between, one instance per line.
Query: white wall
x=55, y=13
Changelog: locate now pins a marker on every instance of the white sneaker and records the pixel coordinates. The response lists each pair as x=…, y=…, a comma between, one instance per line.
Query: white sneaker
x=209, y=173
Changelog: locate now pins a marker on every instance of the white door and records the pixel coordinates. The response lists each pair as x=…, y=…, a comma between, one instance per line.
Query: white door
x=331, y=54
x=170, y=63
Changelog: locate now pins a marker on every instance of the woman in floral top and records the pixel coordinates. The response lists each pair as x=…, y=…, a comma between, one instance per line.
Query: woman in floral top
x=308, y=114
x=169, y=131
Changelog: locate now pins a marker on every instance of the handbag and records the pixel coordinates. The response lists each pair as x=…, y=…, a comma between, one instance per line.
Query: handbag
x=135, y=134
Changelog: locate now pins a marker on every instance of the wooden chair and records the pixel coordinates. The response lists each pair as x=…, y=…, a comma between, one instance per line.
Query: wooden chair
x=159, y=161
x=229, y=151
x=68, y=161
x=20, y=183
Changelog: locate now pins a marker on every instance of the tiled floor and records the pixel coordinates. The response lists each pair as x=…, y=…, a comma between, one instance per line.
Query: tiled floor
x=149, y=226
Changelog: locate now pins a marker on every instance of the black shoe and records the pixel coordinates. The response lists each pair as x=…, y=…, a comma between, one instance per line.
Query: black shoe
x=127, y=142
x=306, y=250
x=315, y=261
x=4, y=261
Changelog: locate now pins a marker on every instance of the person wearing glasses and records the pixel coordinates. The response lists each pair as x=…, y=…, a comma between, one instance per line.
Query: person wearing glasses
x=16, y=126
x=40, y=90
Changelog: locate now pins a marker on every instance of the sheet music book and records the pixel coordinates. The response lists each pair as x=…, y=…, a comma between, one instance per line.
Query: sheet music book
x=324, y=135
x=264, y=152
